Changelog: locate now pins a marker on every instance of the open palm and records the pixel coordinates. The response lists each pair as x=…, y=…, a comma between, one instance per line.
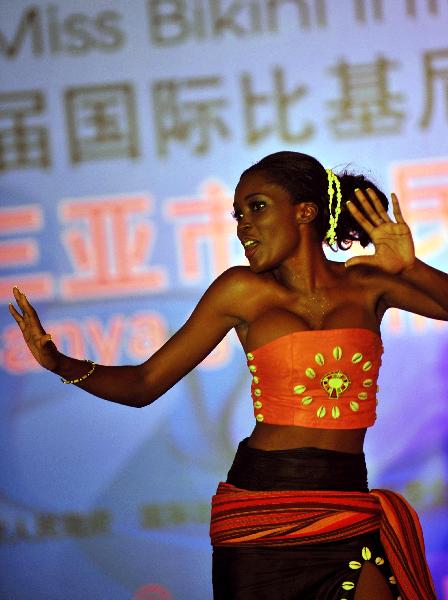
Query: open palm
x=394, y=247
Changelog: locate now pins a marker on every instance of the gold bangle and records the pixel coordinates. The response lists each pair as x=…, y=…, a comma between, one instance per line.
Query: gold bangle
x=84, y=376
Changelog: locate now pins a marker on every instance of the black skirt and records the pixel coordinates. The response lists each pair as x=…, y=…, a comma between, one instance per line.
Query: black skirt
x=309, y=571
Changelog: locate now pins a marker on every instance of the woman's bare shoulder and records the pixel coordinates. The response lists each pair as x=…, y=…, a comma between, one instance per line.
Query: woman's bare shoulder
x=243, y=291
x=241, y=280
x=239, y=273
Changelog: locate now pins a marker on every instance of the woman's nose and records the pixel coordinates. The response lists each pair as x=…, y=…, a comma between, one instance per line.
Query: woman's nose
x=244, y=222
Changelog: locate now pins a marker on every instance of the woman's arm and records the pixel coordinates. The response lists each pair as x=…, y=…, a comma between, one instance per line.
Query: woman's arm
x=215, y=314
x=428, y=280
x=396, y=292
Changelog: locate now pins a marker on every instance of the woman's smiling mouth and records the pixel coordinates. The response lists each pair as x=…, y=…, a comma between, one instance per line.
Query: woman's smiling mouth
x=250, y=247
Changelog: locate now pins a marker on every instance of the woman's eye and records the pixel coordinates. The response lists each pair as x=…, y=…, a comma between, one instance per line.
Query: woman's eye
x=257, y=205
x=254, y=207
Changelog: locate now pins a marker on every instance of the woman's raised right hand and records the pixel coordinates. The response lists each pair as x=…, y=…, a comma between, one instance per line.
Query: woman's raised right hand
x=38, y=341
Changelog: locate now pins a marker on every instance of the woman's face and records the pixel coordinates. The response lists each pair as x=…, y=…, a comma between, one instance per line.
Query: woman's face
x=267, y=222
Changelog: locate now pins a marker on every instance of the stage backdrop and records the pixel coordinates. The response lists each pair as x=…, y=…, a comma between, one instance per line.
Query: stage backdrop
x=123, y=129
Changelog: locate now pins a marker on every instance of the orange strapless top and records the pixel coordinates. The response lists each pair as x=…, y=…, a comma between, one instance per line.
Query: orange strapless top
x=325, y=378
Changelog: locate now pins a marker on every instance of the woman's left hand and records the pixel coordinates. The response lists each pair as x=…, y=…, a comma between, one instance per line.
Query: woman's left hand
x=394, y=247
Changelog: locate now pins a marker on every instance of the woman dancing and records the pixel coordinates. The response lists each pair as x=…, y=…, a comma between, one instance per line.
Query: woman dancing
x=295, y=518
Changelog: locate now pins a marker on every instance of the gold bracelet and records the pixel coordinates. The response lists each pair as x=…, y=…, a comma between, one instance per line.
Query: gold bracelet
x=84, y=376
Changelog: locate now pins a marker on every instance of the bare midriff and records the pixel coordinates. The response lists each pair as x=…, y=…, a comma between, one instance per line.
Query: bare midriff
x=284, y=437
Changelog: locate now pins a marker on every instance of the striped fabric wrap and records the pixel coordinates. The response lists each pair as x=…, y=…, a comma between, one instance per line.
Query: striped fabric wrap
x=402, y=538
x=285, y=518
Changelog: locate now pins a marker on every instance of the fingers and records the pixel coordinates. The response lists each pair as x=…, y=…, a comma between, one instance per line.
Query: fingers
x=17, y=316
x=381, y=211
x=19, y=298
x=12, y=309
x=29, y=317
x=358, y=216
x=397, y=210
x=372, y=207
x=23, y=303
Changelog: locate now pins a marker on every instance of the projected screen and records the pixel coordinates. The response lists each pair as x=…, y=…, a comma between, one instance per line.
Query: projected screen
x=124, y=127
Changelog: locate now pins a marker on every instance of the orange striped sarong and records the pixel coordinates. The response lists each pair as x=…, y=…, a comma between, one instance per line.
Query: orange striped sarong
x=285, y=518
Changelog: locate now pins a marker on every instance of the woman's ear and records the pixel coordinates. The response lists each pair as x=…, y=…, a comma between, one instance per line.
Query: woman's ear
x=306, y=212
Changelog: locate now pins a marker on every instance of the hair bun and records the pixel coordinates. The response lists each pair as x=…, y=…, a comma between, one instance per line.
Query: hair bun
x=348, y=229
